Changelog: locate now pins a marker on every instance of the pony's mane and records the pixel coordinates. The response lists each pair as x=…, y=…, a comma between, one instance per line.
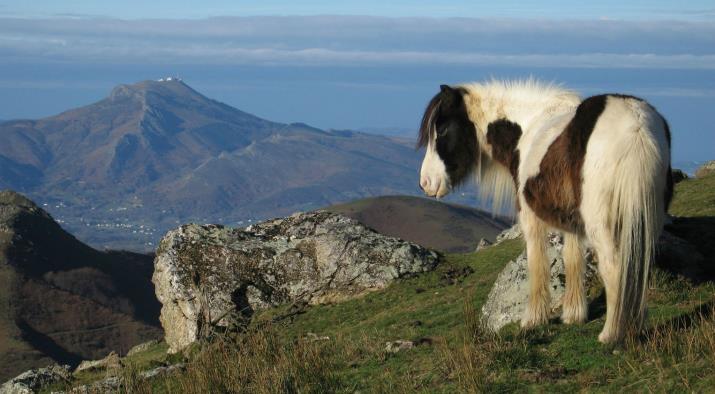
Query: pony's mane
x=494, y=183
x=528, y=89
x=427, y=126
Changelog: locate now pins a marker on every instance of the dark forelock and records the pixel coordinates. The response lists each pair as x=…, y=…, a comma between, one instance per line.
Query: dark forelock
x=427, y=127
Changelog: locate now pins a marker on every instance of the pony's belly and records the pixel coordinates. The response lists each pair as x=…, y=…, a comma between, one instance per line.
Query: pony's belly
x=555, y=210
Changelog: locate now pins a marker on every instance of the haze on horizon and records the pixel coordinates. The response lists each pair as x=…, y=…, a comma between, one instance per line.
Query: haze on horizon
x=358, y=65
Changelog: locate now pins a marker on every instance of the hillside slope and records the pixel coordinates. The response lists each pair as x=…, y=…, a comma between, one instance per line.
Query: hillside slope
x=61, y=300
x=342, y=347
x=428, y=222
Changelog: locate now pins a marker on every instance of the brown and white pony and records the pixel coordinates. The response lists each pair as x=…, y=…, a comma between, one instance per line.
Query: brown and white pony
x=596, y=169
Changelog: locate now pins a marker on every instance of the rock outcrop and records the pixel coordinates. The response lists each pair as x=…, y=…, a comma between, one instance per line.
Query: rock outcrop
x=33, y=380
x=211, y=277
x=110, y=363
x=483, y=244
x=705, y=169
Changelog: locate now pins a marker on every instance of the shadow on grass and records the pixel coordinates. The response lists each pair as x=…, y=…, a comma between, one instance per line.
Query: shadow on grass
x=47, y=345
x=682, y=322
x=700, y=232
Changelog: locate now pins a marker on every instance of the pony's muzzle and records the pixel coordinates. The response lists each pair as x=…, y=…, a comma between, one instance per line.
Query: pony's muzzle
x=424, y=184
x=434, y=187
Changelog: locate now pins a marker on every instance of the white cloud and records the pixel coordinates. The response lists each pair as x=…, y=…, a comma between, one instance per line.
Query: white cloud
x=355, y=40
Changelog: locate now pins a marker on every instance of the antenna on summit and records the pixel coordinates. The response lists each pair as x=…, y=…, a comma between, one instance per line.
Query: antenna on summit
x=169, y=79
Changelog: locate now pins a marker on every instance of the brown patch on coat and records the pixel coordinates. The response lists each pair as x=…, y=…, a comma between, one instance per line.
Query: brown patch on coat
x=555, y=193
x=503, y=135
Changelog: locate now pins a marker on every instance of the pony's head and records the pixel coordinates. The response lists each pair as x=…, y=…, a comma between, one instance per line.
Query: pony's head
x=450, y=140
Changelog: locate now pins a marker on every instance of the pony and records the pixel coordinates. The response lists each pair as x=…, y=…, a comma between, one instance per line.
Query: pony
x=597, y=170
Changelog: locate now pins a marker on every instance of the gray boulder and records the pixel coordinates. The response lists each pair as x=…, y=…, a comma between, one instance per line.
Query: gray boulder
x=35, y=379
x=398, y=346
x=508, y=297
x=210, y=277
x=112, y=384
x=513, y=232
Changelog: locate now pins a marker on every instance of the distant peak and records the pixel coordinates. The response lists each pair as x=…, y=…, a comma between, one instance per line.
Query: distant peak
x=162, y=86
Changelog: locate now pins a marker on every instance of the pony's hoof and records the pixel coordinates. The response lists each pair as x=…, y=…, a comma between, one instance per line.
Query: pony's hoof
x=533, y=320
x=608, y=338
x=573, y=320
x=574, y=315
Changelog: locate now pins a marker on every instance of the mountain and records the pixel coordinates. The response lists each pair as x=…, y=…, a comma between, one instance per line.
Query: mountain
x=396, y=131
x=122, y=171
x=446, y=227
x=62, y=301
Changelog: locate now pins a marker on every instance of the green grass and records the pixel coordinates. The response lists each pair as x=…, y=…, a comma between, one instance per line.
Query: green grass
x=440, y=311
x=694, y=197
x=674, y=354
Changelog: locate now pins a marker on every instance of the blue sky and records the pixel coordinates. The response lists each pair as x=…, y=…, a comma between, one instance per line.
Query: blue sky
x=360, y=64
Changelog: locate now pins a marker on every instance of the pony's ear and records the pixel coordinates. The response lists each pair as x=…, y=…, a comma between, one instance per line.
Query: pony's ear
x=451, y=97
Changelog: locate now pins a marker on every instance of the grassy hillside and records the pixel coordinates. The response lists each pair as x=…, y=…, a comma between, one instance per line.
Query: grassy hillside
x=694, y=198
x=284, y=351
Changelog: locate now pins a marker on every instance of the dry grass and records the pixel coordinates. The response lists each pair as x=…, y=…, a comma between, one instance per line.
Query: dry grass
x=257, y=362
x=679, y=353
x=676, y=354
x=468, y=363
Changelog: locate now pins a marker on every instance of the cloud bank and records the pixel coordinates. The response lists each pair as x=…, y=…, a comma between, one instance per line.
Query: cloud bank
x=364, y=41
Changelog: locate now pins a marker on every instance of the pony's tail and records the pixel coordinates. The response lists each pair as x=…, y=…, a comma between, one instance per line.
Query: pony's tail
x=637, y=212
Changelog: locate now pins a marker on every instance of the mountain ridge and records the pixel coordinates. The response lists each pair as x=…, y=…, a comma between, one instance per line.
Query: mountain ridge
x=156, y=153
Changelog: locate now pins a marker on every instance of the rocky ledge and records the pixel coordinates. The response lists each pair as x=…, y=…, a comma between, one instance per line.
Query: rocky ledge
x=210, y=277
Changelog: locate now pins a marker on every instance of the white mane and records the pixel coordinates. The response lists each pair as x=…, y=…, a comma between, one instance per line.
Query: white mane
x=528, y=102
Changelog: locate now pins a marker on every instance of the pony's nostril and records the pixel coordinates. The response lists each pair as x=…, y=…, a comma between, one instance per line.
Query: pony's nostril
x=424, y=183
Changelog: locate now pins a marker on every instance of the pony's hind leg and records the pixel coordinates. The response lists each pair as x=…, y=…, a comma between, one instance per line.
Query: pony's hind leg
x=609, y=269
x=575, y=306
x=534, y=230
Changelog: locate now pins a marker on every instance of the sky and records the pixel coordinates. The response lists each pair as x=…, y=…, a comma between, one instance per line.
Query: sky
x=367, y=64
x=551, y=9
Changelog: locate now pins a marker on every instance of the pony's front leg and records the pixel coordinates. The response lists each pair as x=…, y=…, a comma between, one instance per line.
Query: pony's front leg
x=575, y=306
x=534, y=231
